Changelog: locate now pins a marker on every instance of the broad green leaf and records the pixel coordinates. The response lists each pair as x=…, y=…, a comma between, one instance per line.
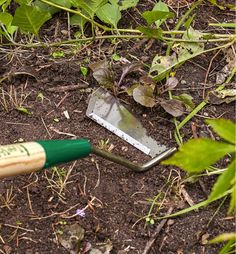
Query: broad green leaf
x=224, y=237
x=144, y=96
x=6, y=20
x=20, y=2
x=110, y=14
x=151, y=32
x=64, y=3
x=224, y=128
x=223, y=182
x=30, y=18
x=77, y=20
x=183, y=52
x=152, y=16
x=126, y=4
x=45, y=7
x=232, y=205
x=198, y=154
x=90, y=6
x=160, y=6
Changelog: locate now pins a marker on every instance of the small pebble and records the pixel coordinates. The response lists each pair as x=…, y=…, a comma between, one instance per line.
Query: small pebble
x=183, y=82
x=124, y=148
x=205, y=114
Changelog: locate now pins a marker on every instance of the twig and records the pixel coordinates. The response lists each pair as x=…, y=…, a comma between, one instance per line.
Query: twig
x=207, y=73
x=45, y=126
x=150, y=242
x=68, y=88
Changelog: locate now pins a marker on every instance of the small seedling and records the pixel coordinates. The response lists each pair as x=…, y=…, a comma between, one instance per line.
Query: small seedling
x=58, y=54
x=84, y=70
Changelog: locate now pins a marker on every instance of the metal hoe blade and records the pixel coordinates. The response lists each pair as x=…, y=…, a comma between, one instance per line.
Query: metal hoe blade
x=107, y=111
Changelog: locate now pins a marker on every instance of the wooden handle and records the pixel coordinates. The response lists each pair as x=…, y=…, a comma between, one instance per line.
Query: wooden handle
x=21, y=158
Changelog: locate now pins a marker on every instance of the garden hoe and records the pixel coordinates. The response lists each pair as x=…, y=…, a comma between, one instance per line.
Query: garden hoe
x=20, y=158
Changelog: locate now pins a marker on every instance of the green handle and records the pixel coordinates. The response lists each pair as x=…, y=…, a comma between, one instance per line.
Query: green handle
x=61, y=151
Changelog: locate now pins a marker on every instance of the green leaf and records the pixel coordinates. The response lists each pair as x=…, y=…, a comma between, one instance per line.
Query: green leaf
x=6, y=20
x=24, y=110
x=58, y=54
x=30, y=18
x=183, y=52
x=151, y=32
x=160, y=6
x=224, y=128
x=126, y=4
x=152, y=16
x=77, y=20
x=224, y=237
x=84, y=70
x=223, y=182
x=198, y=154
x=189, y=21
x=90, y=6
x=232, y=205
x=46, y=7
x=110, y=14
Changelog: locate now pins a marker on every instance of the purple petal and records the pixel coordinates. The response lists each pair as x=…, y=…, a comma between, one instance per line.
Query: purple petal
x=80, y=212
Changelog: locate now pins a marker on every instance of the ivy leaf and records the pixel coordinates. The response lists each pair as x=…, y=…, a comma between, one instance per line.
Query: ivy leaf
x=173, y=107
x=152, y=16
x=144, y=96
x=160, y=6
x=198, y=154
x=90, y=6
x=223, y=182
x=110, y=14
x=30, y=18
x=225, y=128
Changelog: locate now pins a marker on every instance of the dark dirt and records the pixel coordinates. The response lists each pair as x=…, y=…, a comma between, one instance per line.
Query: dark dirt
x=38, y=211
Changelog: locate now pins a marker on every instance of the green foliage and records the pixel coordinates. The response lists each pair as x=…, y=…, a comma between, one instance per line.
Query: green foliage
x=30, y=18
x=110, y=14
x=183, y=51
x=198, y=154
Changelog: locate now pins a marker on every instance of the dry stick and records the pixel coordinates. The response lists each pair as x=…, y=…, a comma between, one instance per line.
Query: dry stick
x=67, y=88
x=150, y=243
x=207, y=73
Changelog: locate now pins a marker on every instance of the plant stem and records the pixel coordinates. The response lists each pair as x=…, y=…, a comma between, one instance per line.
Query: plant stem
x=181, y=21
x=76, y=12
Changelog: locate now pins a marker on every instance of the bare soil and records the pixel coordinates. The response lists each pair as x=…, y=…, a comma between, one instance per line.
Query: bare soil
x=116, y=198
